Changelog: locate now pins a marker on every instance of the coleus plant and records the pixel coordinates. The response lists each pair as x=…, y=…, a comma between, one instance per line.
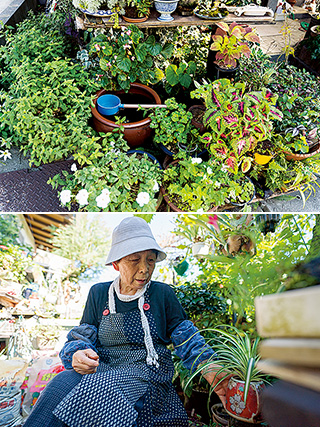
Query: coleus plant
x=231, y=42
x=237, y=120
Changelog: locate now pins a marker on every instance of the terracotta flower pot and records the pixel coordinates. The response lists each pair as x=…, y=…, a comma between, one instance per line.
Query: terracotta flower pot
x=136, y=133
x=135, y=20
x=250, y=411
x=219, y=414
x=293, y=156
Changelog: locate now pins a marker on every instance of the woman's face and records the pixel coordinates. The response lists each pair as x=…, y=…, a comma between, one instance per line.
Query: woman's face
x=136, y=270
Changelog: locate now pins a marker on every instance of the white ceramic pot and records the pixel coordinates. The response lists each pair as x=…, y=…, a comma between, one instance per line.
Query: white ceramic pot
x=165, y=8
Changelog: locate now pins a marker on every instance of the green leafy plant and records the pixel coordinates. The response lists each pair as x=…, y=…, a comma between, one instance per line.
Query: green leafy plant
x=127, y=55
x=233, y=235
x=114, y=182
x=203, y=303
x=212, y=9
x=182, y=74
x=237, y=354
x=138, y=8
x=194, y=185
x=238, y=121
x=47, y=108
x=257, y=71
x=173, y=127
x=288, y=176
x=14, y=263
x=231, y=42
x=298, y=98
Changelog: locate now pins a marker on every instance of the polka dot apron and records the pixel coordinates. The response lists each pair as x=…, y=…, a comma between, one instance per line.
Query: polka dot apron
x=125, y=391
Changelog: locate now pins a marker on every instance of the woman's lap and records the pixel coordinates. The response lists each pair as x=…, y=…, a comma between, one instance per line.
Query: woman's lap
x=50, y=397
x=57, y=389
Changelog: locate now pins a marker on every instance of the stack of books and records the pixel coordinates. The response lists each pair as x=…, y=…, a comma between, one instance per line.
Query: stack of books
x=290, y=324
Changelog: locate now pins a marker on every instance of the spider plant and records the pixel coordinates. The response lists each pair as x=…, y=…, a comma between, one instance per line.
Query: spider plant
x=236, y=353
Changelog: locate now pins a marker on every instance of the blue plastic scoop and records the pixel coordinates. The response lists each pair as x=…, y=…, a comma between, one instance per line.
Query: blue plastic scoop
x=108, y=105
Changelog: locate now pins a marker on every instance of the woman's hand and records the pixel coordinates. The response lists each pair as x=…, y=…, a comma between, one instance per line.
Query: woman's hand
x=85, y=361
x=210, y=374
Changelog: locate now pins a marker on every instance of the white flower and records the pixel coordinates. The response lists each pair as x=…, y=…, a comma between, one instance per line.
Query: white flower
x=105, y=191
x=5, y=154
x=143, y=198
x=82, y=197
x=74, y=167
x=209, y=171
x=196, y=160
x=156, y=186
x=217, y=184
x=65, y=196
x=104, y=199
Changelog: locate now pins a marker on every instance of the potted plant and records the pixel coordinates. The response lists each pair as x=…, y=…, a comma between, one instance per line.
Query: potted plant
x=238, y=121
x=107, y=9
x=238, y=355
x=173, y=129
x=114, y=181
x=45, y=337
x=301, y=143
x=230, y=42
x=257, y=71
x=185, y=7
x=127, y=55
x=191, y=184
x=212, y=11
x=137, y=10
x=234, y=235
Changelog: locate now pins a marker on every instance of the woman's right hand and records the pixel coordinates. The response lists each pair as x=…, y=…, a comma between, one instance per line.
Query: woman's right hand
x=85, y=361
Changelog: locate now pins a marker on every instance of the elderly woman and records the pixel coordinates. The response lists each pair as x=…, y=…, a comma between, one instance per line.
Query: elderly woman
x=118, y=367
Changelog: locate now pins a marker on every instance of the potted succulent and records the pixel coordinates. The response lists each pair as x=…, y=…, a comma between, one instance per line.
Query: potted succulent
x=231, y=42
x=238, y=355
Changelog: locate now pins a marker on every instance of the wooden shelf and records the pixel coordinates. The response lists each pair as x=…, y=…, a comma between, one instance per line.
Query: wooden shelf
x=86, y=21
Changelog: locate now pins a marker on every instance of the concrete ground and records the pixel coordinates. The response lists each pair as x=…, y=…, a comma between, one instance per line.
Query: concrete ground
x=272, y=43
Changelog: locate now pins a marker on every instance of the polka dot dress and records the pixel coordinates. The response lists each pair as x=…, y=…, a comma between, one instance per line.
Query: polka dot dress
x=125, y=391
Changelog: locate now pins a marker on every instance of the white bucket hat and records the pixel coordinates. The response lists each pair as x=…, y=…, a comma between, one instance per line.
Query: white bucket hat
x=132, y=235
